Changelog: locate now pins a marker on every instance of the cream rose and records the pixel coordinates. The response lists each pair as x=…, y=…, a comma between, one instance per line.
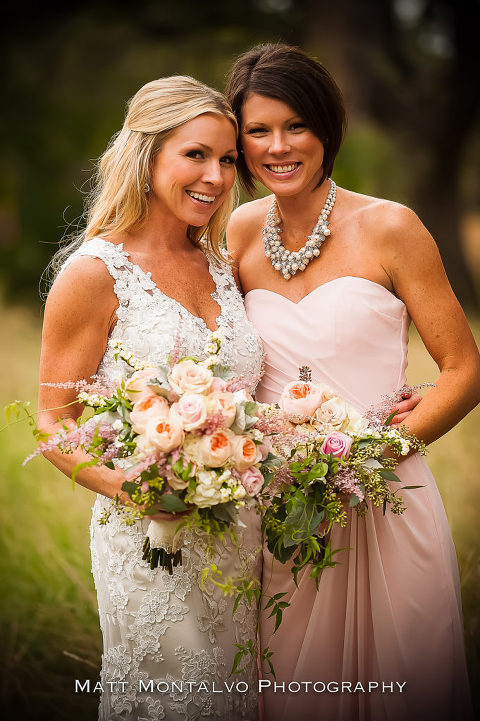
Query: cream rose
x=225, y=403
x=190, y=411
x=242, y=395
x=300, y=400
x=252, y=481
x=147, y=410
x=356, y=422
x=214, y=450
x=245, y=452
x=332, y=413
x=190, y=377
x=137, y=387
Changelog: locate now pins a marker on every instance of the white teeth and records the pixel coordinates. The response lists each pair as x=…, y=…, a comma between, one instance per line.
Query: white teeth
x=283, y=168
x=200, y=196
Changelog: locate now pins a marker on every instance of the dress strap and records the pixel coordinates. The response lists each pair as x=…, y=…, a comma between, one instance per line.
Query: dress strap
x=127, y=276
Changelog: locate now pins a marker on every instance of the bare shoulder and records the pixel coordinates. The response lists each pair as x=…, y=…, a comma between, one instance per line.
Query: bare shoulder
x=246, y=222
x=83, y=287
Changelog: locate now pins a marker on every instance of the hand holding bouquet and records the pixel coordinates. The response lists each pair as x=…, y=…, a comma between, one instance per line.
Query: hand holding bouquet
x=186, y=438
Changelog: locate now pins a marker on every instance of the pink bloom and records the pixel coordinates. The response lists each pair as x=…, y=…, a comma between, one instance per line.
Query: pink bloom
x=190, y=410
x=190, y=377
x=225, y=403
x=218, y=384
x=163, y=434
x=337, y=444
x=300, y=400
x=252, y=480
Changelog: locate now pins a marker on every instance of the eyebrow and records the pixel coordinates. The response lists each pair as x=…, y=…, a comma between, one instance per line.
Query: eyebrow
x=261, y=122
x=207, y=147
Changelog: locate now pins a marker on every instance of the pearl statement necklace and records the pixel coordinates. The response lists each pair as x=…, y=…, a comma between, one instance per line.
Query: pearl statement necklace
x=288, y=262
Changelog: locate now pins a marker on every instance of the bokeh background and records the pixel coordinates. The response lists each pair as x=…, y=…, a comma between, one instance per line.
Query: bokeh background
x=410, y=72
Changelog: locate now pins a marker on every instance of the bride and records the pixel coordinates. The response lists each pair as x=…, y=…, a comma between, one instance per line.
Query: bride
x=139, y=273
x=341, y=303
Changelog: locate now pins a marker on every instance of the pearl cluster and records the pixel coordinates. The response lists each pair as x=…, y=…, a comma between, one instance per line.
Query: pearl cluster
x=287, y=262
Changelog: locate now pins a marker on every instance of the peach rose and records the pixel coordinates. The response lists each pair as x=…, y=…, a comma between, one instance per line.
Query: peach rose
x=242, y=395
x=225, y=403
x=190, y=411
x=337, y=444
x=218, y=384
x=162, y=434
x=300, y=400
x=215, y=449
x=252, y=481
x=147, y=410
x=137, y=387
x=190, y=377
x=244, y=452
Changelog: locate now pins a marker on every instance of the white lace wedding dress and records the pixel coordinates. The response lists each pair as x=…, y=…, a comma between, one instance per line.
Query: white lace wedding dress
x=159, y=628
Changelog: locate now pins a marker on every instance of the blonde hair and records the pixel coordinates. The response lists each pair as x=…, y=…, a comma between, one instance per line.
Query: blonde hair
x=119, y=199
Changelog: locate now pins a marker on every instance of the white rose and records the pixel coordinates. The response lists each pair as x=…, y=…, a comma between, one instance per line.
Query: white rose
x=190, y=377
x=332, y=413
x=357, y=424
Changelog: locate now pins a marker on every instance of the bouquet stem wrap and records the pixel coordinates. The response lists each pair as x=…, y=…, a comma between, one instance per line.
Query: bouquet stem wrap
x=163, y=544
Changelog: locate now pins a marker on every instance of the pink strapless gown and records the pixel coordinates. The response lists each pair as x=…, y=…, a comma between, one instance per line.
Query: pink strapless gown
x=390, y=611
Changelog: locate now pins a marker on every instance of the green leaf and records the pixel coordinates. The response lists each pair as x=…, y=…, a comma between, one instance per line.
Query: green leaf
x=390, y=418
x=410, y=487
x=130, y=487
x=172, y=503
x=223, y=372
x=389, y=475
x=225, y=511
x=354, y=501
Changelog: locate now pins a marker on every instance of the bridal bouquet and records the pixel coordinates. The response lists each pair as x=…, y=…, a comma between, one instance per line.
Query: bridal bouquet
x=334, y=457
x=185, y=436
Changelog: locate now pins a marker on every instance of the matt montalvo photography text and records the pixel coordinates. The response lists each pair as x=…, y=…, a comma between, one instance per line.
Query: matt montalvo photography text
x=91, y=686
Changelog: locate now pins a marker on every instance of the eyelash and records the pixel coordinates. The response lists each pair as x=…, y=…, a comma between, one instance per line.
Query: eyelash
x=293, y=126
x=227, y=159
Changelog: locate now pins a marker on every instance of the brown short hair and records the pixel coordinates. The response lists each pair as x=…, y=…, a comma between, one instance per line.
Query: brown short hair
x=288, y=74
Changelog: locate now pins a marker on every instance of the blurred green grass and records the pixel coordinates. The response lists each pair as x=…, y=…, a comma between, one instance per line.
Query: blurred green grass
x=48, y=620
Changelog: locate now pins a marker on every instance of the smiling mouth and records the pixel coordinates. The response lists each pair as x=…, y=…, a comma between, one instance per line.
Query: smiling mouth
x=283, y=169
x=201, y=197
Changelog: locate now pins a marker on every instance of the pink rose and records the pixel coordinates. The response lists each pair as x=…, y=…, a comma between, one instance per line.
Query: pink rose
x=244, y=452
x=190, y=377
x=147, y=410
x=190, y=411
x=225, y=403
x=137, y=386
x=300, y=400
x=215, y=449
x=163, y=435
x=265, y=448
x=337, y=444
x=218, y=384
x=252, y=481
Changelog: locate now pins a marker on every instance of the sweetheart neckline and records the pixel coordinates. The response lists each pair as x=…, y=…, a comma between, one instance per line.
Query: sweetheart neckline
x=322, y=285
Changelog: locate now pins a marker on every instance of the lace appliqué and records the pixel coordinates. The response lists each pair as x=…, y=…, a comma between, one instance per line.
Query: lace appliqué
x=160, y=629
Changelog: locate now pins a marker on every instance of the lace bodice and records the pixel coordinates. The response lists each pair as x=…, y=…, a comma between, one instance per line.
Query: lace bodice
x=149, y=322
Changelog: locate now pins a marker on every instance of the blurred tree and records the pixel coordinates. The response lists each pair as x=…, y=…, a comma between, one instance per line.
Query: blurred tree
x=413, y=66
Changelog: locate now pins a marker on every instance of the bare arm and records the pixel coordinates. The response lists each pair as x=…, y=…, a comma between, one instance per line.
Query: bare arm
x=419, y=279
x=78, y=316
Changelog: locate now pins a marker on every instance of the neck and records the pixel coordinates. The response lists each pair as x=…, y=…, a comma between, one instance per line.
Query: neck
x=162, y=231
x=299, y=212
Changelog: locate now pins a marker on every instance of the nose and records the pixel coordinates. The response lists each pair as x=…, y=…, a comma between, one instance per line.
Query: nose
x=278, y=143
x=213, y=173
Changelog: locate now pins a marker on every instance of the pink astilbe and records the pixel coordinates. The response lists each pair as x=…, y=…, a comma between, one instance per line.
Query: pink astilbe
x=175, y=355
x=81, y=437
x=346, y=483
x=100, y=385
x=212, y=423
x=379, y=412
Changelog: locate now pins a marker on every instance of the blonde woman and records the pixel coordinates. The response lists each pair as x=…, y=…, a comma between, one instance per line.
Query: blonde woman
x=140, y=273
